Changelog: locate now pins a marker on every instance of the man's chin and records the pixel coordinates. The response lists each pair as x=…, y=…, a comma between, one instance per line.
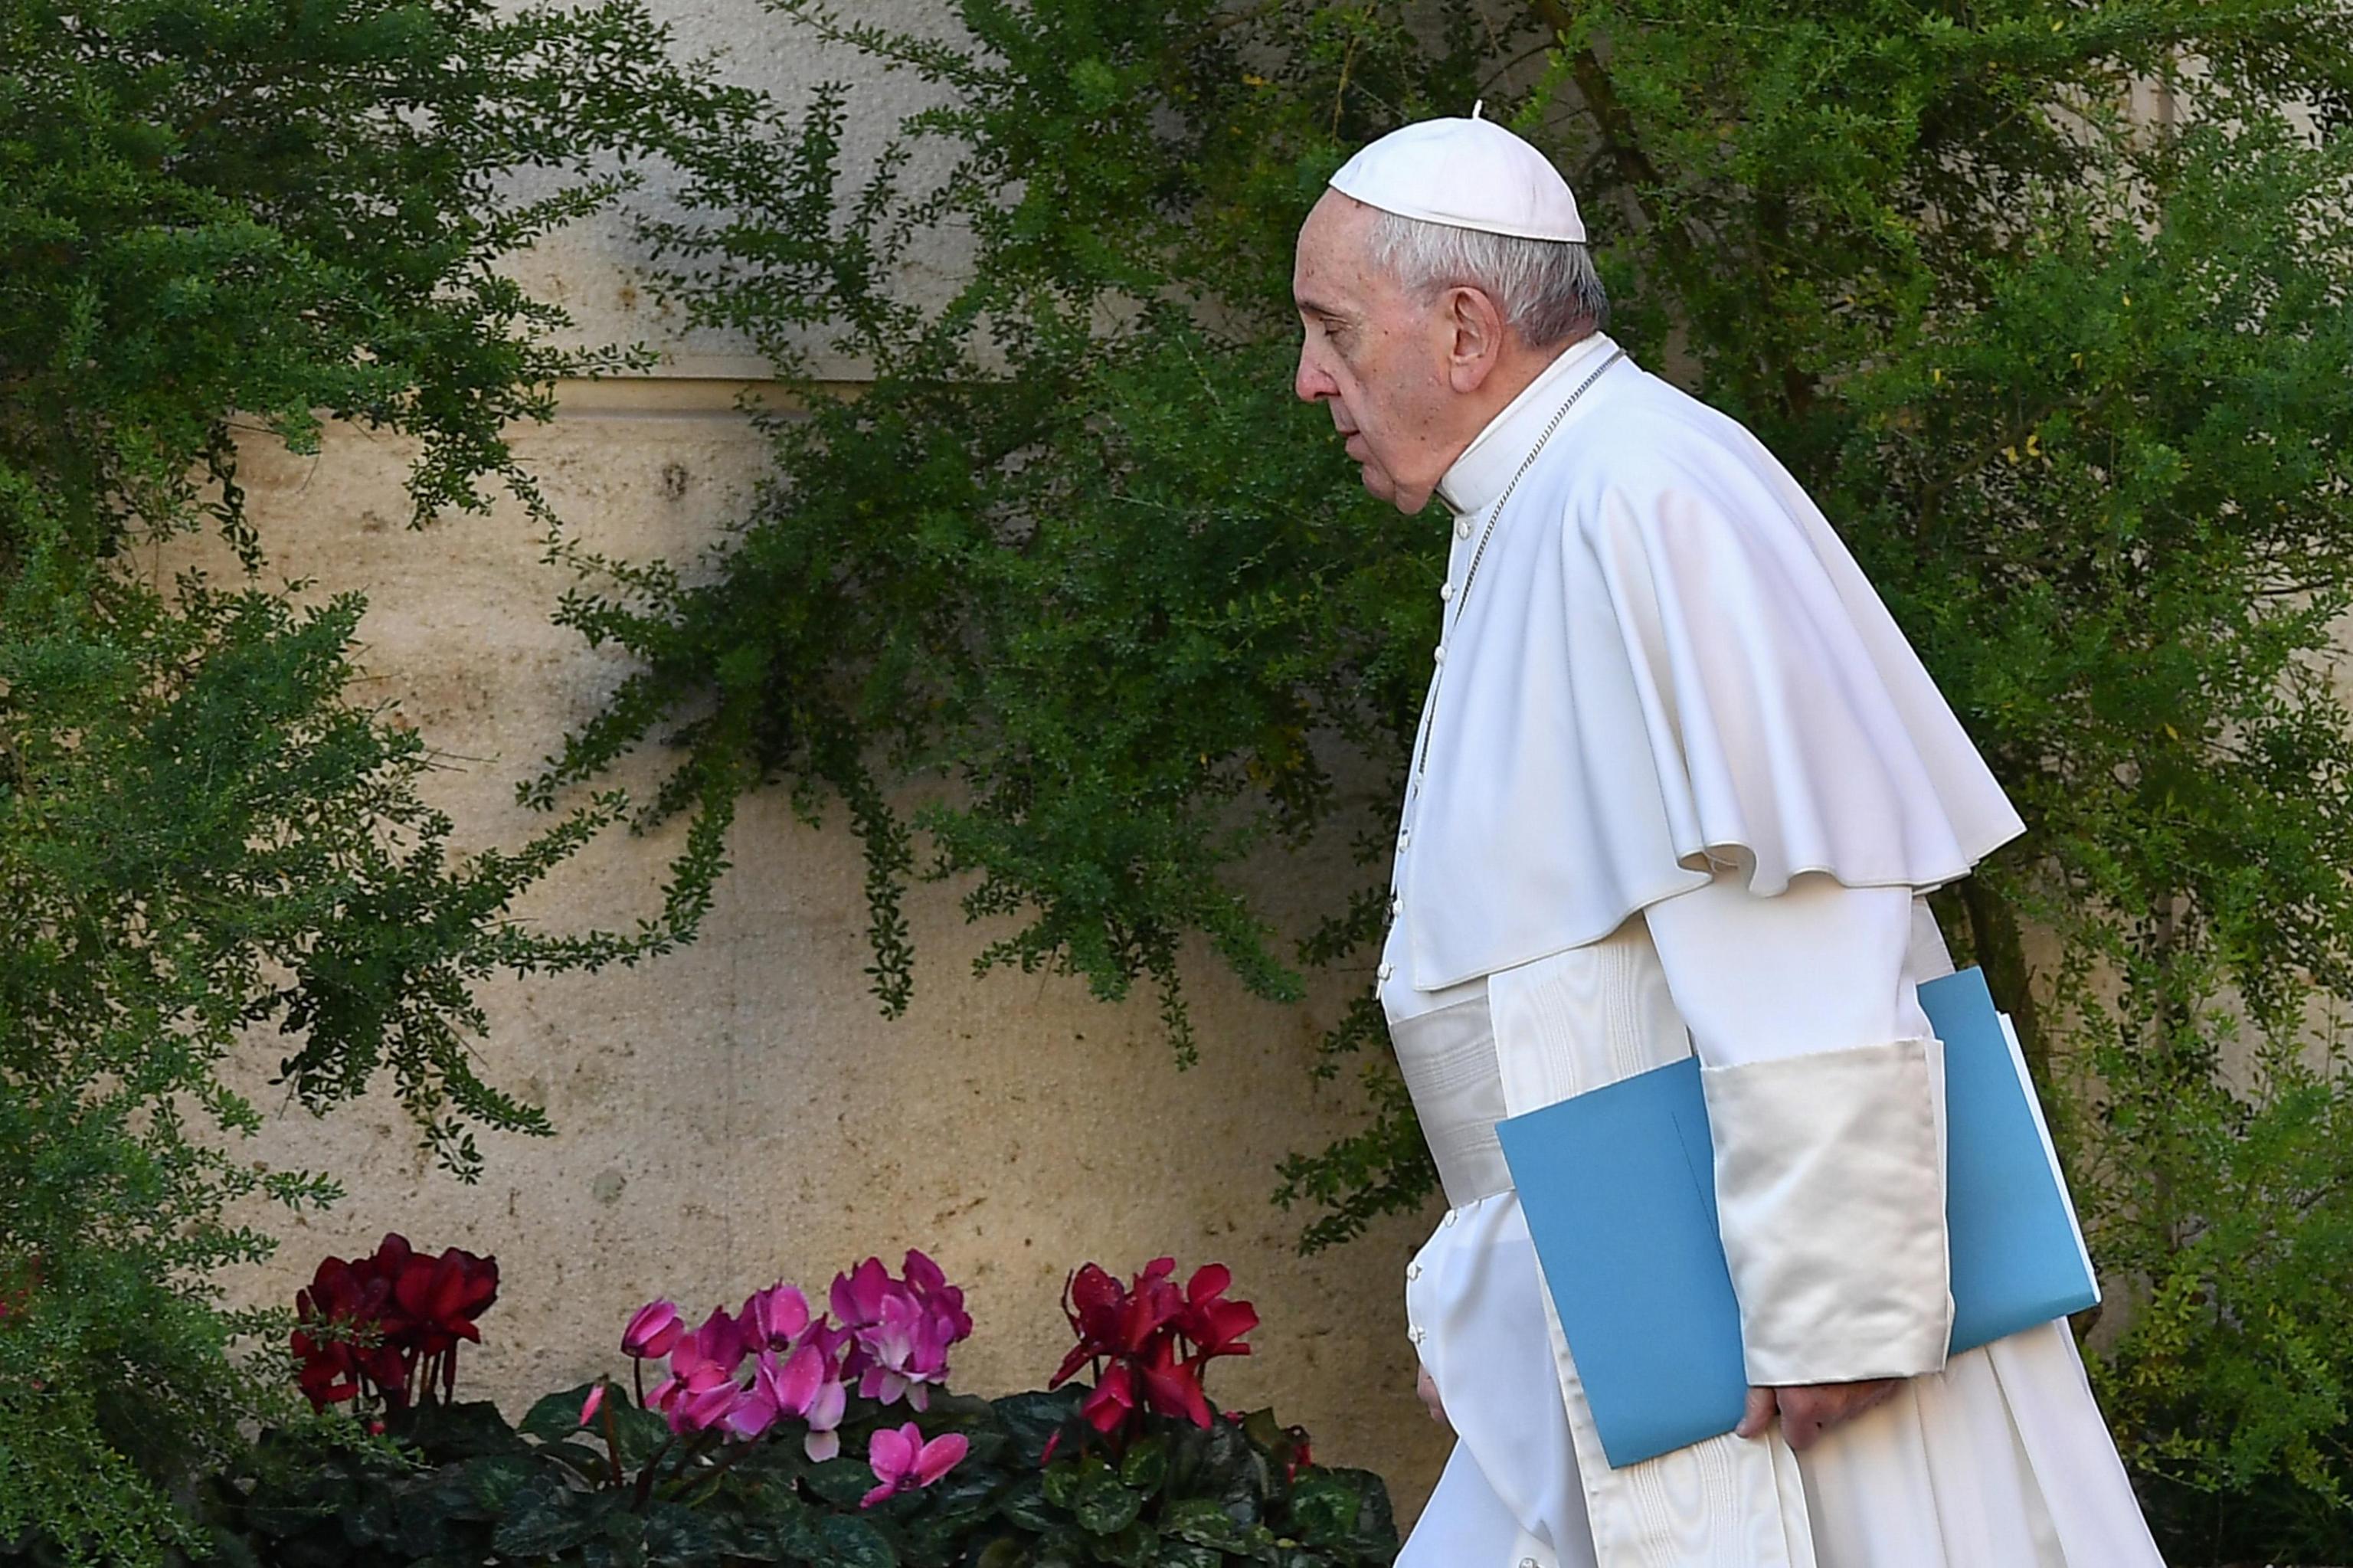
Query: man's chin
x=1386, y=488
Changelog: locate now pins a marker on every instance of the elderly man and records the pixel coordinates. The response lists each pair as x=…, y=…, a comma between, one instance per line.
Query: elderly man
x=1680, y=787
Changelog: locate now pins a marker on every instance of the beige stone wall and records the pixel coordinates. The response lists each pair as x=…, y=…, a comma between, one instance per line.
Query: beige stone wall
x=739, y=1112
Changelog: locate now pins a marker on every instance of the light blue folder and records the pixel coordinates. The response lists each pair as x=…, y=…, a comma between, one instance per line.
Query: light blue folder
x=1619, y=1188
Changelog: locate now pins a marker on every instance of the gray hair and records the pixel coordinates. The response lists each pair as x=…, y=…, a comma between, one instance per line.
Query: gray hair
x=1547, y=289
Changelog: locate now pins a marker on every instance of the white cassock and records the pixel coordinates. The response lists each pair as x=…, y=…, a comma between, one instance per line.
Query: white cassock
x=1682, y=786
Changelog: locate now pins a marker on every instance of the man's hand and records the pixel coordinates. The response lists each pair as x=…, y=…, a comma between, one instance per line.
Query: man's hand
x=1427, y=1386
x=1807, y=1413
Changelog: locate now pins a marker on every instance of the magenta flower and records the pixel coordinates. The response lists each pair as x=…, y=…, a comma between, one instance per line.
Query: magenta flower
x=905, y=1351
x=857, y=1297
x=651, y=1334
x=795, y=1385
x=904, y=1462
x=590, y=1405
x=701, y=1389
x=810, y=1385
x=754, y=1409
x=901, y=1328
x=943, y=1301
x=775, y=1318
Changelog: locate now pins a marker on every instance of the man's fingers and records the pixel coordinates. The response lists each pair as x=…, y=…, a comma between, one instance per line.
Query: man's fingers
x=1805, y=1412
x=1760, y=1413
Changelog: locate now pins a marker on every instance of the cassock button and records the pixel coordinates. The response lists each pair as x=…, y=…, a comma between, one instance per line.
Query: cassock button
x=1527, y=1562
x=1438, y=654
x=1448, y=1219
x=1387, y=969
x=1462, y=528
x=1405, y=836
x=1446, y=591
x=1419, y=1334
x=1413, y=1271
x=1397, y=906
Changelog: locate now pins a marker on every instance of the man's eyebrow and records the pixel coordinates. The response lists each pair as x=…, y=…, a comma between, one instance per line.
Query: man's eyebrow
x=1316, y=307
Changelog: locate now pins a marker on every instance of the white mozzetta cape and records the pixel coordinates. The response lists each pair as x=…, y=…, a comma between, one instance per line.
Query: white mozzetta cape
x=1678, y=665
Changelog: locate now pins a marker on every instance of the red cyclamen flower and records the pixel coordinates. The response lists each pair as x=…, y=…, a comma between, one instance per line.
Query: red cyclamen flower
x=1155, y=1338
x=388, y=1325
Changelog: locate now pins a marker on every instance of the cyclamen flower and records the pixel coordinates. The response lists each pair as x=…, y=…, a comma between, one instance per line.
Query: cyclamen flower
x=905, y=1351
x=943, y=1300
x=901, y=1330
x=701, y=1388
x=1113, y=1395
x=831, y=1401
x=775, y=1318
x=652, y=1332
x=416, y=1307
x=1214, y=1324
x=892, y=1342
x=805, y=1385
x=904, y=1462
x=1156, y=1339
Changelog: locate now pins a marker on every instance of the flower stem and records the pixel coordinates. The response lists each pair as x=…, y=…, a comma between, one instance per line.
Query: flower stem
x=646, y=1476
x=613, y=1444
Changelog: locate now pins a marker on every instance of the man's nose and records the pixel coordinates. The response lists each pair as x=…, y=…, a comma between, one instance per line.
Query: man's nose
x=1312, y=384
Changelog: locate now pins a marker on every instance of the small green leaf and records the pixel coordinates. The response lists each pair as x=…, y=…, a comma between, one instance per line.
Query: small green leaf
x=842, y=1481
x=1201, y=1520
x=545, y=1518
x=1027, y=1506
x=557, y=1417
x=1323, y=1507
x=1145, y=1468
x=1104, y=1504
x=679, y=1537
x=447, y=1432
x=1061, y=1481
x=854, y=1543
x=494, y=1482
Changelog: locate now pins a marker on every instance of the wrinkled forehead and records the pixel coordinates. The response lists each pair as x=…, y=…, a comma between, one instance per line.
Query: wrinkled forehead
x=1331, y=265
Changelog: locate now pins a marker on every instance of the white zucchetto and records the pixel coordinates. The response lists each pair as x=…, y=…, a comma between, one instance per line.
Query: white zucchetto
x=1467, y=174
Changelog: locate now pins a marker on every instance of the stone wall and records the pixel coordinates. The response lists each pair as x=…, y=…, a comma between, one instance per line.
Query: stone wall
x=739, y=1112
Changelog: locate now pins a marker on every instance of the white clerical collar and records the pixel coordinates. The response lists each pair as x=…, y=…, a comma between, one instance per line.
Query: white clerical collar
x=1495, y=453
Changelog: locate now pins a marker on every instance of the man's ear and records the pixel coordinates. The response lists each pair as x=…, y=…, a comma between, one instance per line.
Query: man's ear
x=1475, y=331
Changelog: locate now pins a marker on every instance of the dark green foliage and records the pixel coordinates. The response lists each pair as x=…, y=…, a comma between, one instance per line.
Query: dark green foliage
x=2066, y=365
x=457, y=1485
x=265, y=212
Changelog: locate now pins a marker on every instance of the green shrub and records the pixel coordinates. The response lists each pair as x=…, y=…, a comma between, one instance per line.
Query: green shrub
x=214, y=217
x=2069, y=375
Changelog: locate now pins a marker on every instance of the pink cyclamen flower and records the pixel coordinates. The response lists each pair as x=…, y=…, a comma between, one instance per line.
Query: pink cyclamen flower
x=905, y=1350
x=700, y=1390
x=775, y=1318
x=811, y=1381
x=651, y=1334
x=593, y=1404
x=754, y=1409
x=943, y=1301
x=904, y=1462
x=857, y=1297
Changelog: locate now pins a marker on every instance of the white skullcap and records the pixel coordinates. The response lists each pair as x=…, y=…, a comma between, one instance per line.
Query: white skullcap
x=1469, y=174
